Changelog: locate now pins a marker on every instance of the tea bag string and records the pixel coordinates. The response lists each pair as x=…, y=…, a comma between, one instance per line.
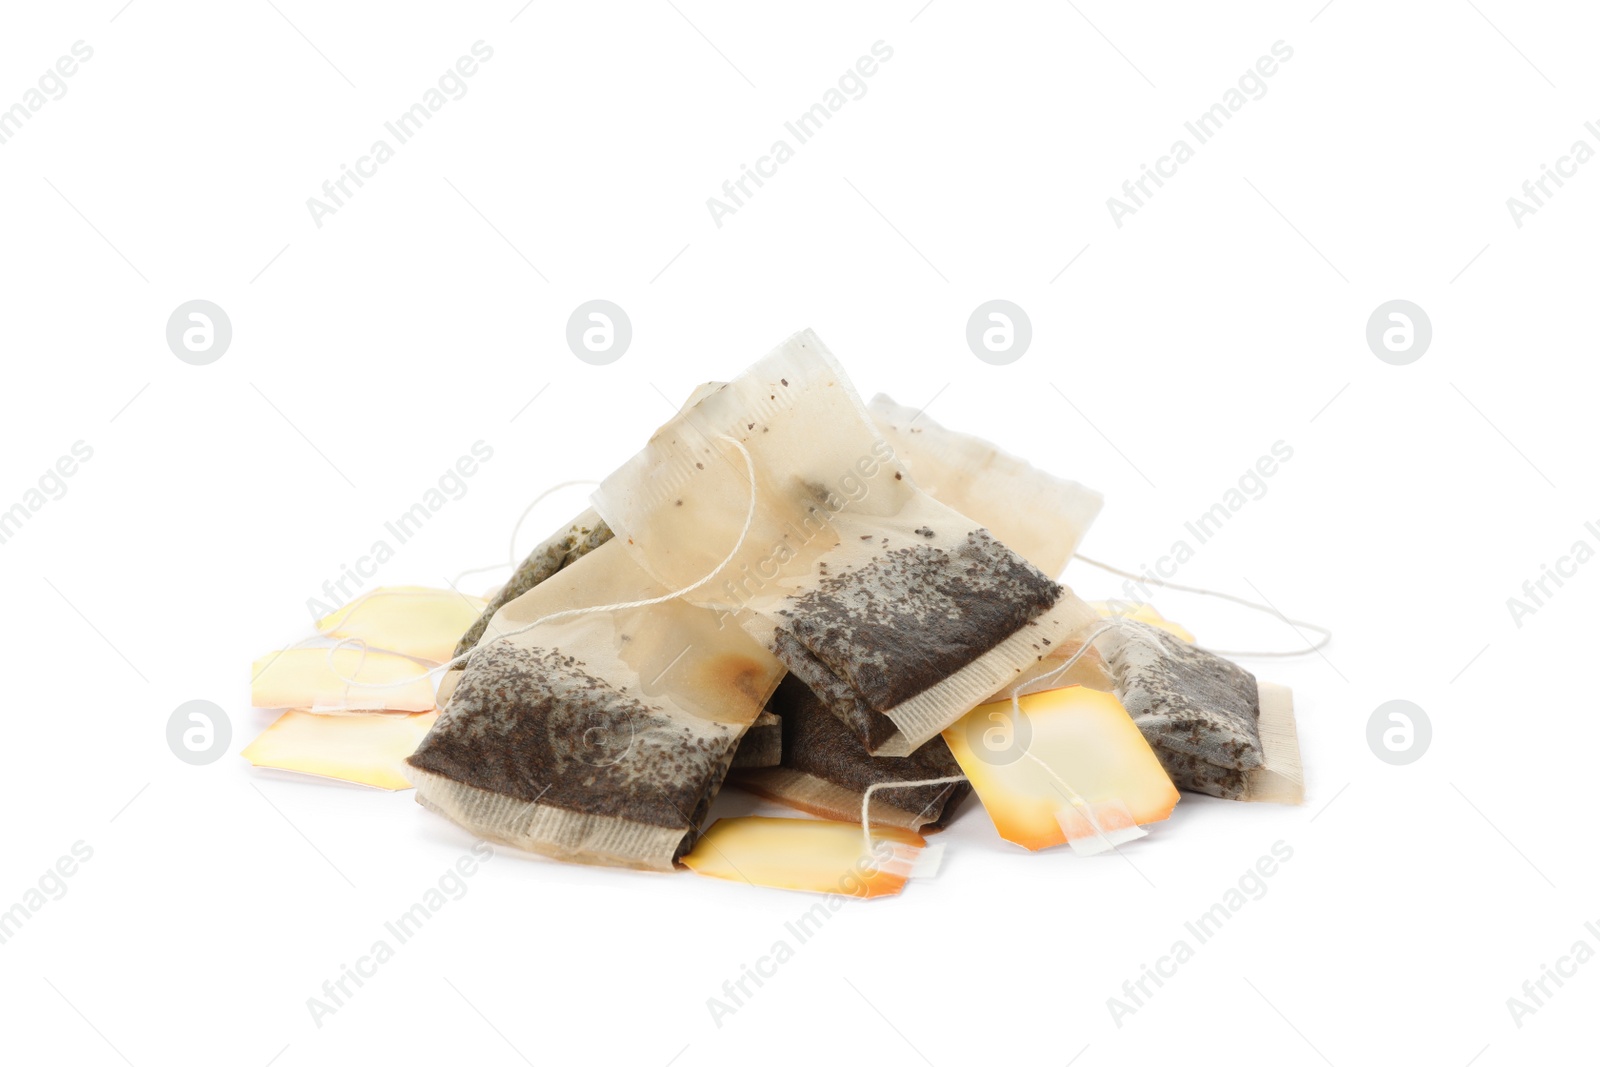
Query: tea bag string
x=1318, y=646
x=866, y=799
x=511, y=551
x=569, y=613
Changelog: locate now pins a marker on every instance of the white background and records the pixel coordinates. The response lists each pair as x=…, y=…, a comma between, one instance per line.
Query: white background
x=429, y=313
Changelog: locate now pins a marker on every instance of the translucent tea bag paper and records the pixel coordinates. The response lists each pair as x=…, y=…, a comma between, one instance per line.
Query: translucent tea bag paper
x=598, y=738
x=898, y=611
x=1037, y=515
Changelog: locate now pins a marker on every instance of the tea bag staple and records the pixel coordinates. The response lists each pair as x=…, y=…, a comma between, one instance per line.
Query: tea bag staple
x=1205, y=716
x=898, y=611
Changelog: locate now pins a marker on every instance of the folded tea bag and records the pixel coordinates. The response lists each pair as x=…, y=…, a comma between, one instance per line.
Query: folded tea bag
x=813, y=856
x=898, y=611
x=1037, y=515
x=1205, y=717
x=762, y=744
x=826, y=770
x=1063, y=766
x=599, y=737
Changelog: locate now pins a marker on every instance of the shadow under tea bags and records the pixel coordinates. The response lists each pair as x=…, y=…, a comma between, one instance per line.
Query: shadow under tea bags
x=600, y=737
x=826, y=770
x=1205, y=716
x=898, y=611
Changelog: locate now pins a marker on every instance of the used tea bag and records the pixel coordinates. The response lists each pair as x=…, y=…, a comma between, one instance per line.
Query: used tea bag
x=1037, y=515
x=1206, y=718
x=826, y=770
x=599, y=737
x=898, y=611
x=762, y=744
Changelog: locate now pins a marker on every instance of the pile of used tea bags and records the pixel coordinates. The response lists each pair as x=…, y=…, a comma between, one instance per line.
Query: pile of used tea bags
x=846, y=609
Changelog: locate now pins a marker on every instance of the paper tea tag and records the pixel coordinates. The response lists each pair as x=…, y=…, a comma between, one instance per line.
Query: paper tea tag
x=1072, y=767
x=812, y=855
x=366, y=749
x=408, y=619
x=309, y=678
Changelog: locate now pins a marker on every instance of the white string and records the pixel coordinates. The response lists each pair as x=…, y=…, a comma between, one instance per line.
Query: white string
x=511, y=552
x=749, y=520
x=866, y=799
x=1327, y=634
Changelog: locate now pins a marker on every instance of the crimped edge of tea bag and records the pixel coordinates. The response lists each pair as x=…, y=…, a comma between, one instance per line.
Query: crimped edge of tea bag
x=1280, y=779
x=824, y=799
x=923, y=716
x=549, y=831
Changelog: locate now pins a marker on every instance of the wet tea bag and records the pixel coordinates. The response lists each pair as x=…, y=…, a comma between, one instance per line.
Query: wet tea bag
x=1215, y=728
x=898, y=611
x=814, y=856
x=762, y=744
x=1035, y=514
x=598, y=737
x=826, y=770
x=1062, y=766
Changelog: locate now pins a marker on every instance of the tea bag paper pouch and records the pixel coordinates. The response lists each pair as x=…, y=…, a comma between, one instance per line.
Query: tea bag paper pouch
x=898, y=611
x=1037, y=515
x=762, y=744
x=598, y=738
x=1215, y=728
x=826, y=770
x=571, y=542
